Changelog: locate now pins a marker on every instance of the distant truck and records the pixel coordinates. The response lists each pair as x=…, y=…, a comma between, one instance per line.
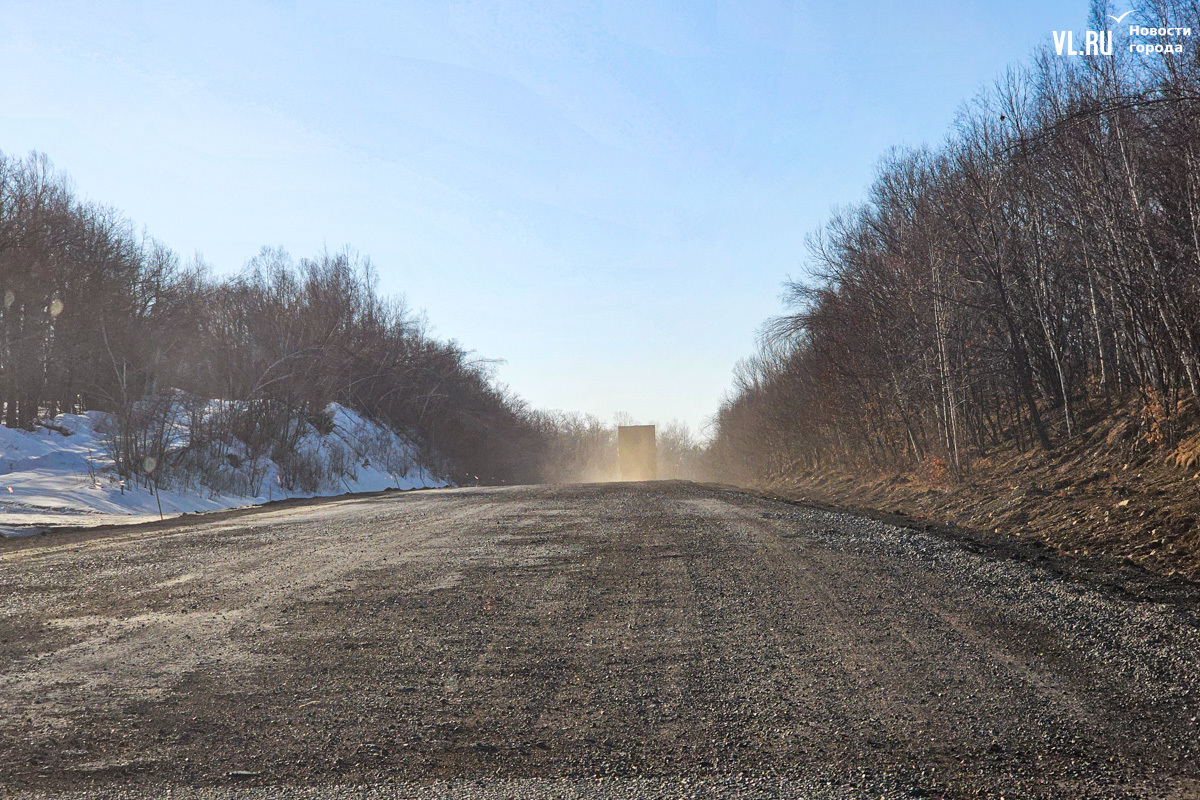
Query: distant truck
x=637, y=452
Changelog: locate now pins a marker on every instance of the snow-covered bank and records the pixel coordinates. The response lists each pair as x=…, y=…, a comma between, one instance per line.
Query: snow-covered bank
x=62, y=475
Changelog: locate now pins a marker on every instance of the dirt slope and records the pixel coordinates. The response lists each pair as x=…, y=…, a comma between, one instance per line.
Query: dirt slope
x=1084, y=497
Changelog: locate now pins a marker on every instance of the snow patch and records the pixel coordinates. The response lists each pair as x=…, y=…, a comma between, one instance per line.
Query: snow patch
x=61, y=474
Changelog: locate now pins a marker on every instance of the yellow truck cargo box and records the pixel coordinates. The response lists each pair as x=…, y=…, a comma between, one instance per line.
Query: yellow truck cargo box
x=637, y=452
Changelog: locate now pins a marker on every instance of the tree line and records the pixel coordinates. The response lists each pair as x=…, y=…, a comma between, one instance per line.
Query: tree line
x=99, y=316
x=1036, y=271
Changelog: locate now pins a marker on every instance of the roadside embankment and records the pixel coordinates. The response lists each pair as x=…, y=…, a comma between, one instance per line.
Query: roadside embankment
x=1086, y=496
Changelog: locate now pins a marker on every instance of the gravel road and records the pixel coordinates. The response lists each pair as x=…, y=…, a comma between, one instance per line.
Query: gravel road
x=595, y=641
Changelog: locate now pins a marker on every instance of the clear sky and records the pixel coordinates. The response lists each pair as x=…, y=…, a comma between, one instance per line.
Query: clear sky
x=605, y=195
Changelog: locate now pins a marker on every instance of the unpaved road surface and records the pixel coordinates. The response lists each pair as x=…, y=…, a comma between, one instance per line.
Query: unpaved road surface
x=597, y=641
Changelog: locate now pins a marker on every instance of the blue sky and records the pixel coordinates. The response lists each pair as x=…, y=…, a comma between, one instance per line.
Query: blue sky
x=606, y=195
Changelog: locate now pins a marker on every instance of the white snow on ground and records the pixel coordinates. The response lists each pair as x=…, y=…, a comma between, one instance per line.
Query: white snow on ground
x=48, y=478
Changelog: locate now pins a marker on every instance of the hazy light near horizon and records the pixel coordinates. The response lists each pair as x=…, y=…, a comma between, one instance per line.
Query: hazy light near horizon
x=606, y=196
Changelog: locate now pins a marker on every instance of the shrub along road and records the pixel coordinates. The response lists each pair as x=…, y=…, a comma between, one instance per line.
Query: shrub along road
x=590, y=641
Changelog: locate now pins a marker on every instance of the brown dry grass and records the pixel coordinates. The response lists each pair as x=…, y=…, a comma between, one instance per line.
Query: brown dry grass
x=1113, y=490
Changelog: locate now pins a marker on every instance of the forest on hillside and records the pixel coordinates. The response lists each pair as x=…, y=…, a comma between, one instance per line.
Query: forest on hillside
x=1008, y=288
x=99, y=316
